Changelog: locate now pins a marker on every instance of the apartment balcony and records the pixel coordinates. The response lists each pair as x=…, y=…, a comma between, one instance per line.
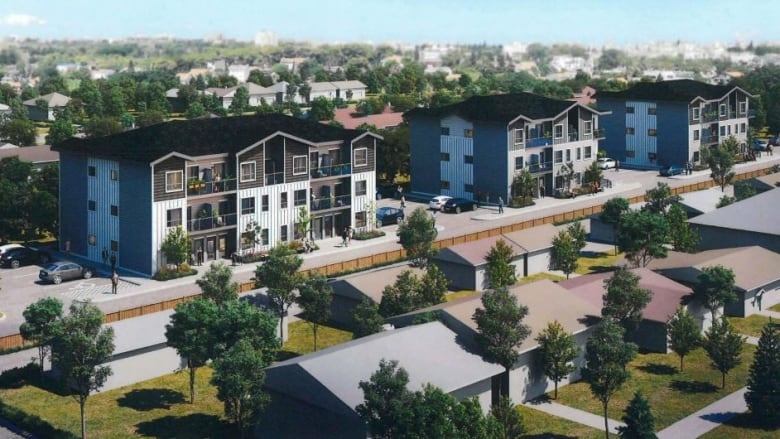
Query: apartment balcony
x=538, y=141
x=212, y=222
x=335, y=202
x=200, y=187
x=331, y=171
x=540, y=167
x=709, y=138
x=274, y=178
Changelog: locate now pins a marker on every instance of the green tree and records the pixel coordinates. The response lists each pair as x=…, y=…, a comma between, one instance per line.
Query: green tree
x=578, y=235
x=682, y=237
x=624, y=300
x=500, y=329
x=89, y=93
x=240, y=102
x=322, y=108
x=386, y=404
x=724, y=347
x=195, y=110
x=642, y=236
x=417, y=234
x=79, y=351
x=763, y=385
x=593, y=174
x=191, y=333
x=150, y=117
x=103, y=126
x=659, y=199
x=500, y=271
x=392, y=156
x=715, y=288
x=366, y=319
x=217, y=285
x=19, y=132
x=280, y=274
x=40, y=324
x=721, y=163
x=315, y=298
x=242, y=320
x=557, y=350
x=509, y=420
x=606, y=357
x=433, y=286
x=43, y=214
x=402, y=296
x=684, y=333
x=523, y=186
x=61, y=129
x=177, y=246
x=239, y=376
x=564, y=254
x=612, y=212
x=639, y=420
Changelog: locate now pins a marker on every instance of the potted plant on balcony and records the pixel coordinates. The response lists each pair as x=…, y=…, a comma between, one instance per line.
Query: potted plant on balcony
x=217, y=218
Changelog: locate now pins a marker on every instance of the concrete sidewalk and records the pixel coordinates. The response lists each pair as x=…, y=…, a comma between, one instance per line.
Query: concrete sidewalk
x=574, y=415
x=708, y=418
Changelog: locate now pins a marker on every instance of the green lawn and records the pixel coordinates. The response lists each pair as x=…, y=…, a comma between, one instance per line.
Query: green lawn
x=540, y=276
x=301, y=339
x=751, y=325
x=597, y=263
x=459, y=294
x=775, y=308
x=672, y=394
x=540, y=425
x=741, y=427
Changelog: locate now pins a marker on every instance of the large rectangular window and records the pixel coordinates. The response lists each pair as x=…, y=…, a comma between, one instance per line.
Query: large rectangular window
x=91, y=204
x=630, y=153
x=518, y=163
x=588, y=126
x=248, y=171
x=695, y=134
x=264, y=203
x=652, y=111
x=558, y=131
x=173, y=217
x=114, y=210
x=651, y=132
x=696, y=113
x=360, y=219
x=91, y=171
x=283, y=233
x=445, y=131
x=283, y=204
x=248, y=206
x=579, y=153
x=361, y=157
x=299, y=197
x=568, y=155
x=630, y=131
x=445, y=184
x=360, y=187
x=299, y=164
x=630, y=110
x=114, y=175
x=519, y=136
x=468, y=132
x=264, y=236
x=742, y=108
x=587, y=152
x=558, y=156
x=174, y=181
x=723, y=110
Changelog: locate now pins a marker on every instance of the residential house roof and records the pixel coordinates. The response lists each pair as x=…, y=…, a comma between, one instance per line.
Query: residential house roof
x=222, y=92
x=371, y=283
x=753, y=266
x=534, y=238
x=704, y=201
x=683, y=90
x=502, y=108
x=755, y=214
x=351, y=84
x=37, y=155
x=322, y=86
x=52, y=99
x=668, y=295
x=202, y=137
x=351, y=120
x=329, y=378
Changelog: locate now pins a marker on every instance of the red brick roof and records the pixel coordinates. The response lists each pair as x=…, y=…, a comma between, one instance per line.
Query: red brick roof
x=350, y=119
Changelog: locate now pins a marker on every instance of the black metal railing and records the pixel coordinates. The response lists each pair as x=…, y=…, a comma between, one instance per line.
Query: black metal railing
x=329, y=171
x=198, y=187
x=212, y=222
x=275, y=178
x=331, y=202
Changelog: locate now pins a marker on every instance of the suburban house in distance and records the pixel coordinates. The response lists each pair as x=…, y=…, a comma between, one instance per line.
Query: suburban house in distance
x=476, y=147
x=54, y=101
x=217, y=178
x=669, y=123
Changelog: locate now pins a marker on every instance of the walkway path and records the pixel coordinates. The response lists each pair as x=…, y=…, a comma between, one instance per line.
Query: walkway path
x=572, y=414
x=708, y=418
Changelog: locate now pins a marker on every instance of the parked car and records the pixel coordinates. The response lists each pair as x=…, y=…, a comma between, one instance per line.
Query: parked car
x=6, y=247
x=64, y=270
x=389, y=215
x=606, y=163
x=18, y=256
x=458, y=205
x=438, y=201
x=760, y=145
x=669, y=171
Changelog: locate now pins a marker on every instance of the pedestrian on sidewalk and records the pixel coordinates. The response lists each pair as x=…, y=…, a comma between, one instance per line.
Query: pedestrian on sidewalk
x=403, y=202
x=350, y=232
x=541, y=189
x=617, y=165
x=114, y=281
x=500, y=205
x=344, y=237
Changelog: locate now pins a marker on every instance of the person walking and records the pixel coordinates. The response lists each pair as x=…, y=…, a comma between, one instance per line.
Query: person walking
x=114, y=281
x=617, y=165
x=344, y=237
x=350, y=231
x=541, y=189
x=403, y=202
x=500, y=205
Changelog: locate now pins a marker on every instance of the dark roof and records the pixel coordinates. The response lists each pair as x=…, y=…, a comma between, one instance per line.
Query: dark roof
x=498, y=108
x=684, y=90
x=202, y=137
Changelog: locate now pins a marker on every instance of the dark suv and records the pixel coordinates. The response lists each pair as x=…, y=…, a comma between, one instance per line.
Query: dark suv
x=16, y=257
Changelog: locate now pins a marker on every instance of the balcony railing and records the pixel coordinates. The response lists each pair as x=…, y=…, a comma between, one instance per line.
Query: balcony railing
x=203, y=187
x=540, y=167
x=329, y=171
x=275, y=178
x=709, y=138
x=538, y=141
x=212, y=222
x=331, y=203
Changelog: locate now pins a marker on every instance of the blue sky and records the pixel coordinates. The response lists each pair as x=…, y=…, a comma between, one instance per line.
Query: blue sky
x=412, y=21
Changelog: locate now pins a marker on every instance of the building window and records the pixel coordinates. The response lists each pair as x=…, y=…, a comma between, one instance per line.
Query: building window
x=468, y=188
x=361, y=157
x=299, y=197
x=264, y=203
x=587, y=152
x=299, y=164
x=91, y=239
x=518, y=163
x=742, y=107
x=630, y=153
x=360, y=187
x=558, y=131
x=114, y=174
x=696, y=113
x=568, y=155
x=742, y=127
x=468, y=159
x=445, y=184
x=283, y=204
x=579, y=154
x=248, y=206
x=91, y=171
x=248, y=171
x=558, y=156
x=360, y=219
x=445, y=131
x=630, y=110
x=652, y=111
x=283, y=233
x=588, y=126
x=723, y=110
x=444, y=156
x=114, y=210
x=695, y=134
x=651, y=132
x=114, y=246
x=651, y=156
x=174, y=181
x=468, y=132
x=722, y=131
x=91, y=204
x=173, y=217
x=630, y=131
x=264, y=237
x=519, y=136
x=193, y=173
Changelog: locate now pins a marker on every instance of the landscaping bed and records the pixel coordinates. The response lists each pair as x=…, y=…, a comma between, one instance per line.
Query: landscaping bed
x=166, y=274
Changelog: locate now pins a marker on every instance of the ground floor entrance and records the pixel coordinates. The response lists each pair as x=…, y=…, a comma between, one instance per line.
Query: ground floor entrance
x=211, y=248
x=329, y=225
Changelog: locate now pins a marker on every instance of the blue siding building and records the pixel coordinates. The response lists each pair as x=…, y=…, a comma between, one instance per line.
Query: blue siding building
x=656, y=124
x=473, y=149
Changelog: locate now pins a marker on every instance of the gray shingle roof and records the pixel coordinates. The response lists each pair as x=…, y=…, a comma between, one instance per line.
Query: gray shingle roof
x=498, y=108
x=755, y=214
x=684, y=90
x=52, y=99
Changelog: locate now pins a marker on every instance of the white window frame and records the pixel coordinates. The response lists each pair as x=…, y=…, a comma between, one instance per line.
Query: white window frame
x=169, y=187
x=558, y=131
x=358, y=190
x=587, y=153
x=245, y=177
x=742, y=107
x=305, y=165
x=723, y=111
x=696, y=135
x=696, y=113
x=168, y=220
x=587, y=127
x=579, y=153
x=519, y=138
x=558, y=156
x=722, y=130
x=254, y=205
x=357, y=153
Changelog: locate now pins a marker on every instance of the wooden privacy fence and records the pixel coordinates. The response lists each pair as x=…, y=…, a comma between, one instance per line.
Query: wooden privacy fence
x=15, y=340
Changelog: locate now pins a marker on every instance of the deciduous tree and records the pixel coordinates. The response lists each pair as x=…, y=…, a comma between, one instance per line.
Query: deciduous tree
x=642, y=236
x=240, y=102
x=612, y=213
x=724, y=347
x=40, y=324
x=659, y=199
x=500, y=271
x=509, y=421
x=684, y=333
x=715, y=288
x=557, y=350
x=315, y=298
x=721, y=163
x=322, y=109
x=280, y=274
x=564, y=254
x=682, y=237
x=366, y=319
x=416, y=235
x=176, y=246
x=624, y=300
x=217, y=285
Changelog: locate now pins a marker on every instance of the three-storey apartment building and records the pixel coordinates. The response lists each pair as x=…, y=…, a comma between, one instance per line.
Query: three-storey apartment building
x=671, y=122
x=473, y=149
x=235, y=184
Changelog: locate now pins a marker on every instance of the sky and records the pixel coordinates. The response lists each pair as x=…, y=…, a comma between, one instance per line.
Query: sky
x=588, y=22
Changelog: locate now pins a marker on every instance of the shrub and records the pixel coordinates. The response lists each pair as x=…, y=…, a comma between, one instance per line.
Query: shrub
x=167, y=274
x=364, y=235
x=522, y=202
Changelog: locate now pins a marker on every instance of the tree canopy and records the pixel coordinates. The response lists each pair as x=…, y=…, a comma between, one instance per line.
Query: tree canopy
x=417, y=234
x=500, y=271
x=642, y=236
x=625, y=300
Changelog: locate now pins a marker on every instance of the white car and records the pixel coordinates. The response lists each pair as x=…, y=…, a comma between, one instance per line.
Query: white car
x=606, y=163
x=438, y=201
x=5, y=248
